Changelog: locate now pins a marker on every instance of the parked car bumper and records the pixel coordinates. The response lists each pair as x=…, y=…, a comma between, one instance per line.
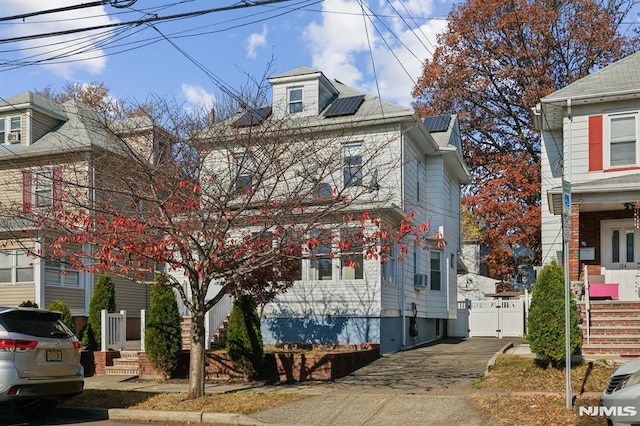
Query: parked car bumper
x=18, y=390
x=622, y=407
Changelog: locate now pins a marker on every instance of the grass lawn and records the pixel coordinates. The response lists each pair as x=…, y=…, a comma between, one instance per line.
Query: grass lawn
x=546, y=405
x=236, y=402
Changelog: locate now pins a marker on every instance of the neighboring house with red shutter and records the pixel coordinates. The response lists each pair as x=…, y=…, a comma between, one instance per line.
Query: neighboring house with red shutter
x=47, y=157
x=590, y=138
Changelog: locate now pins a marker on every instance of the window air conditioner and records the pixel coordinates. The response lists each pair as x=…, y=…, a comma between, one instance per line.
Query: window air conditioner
x=13, y=137
x=420, y=281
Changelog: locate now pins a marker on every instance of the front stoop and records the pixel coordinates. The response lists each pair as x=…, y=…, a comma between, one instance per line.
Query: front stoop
x=614, y=329
x=126, y=365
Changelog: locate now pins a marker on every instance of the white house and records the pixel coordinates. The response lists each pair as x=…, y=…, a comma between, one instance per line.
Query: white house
x=403, y=164
x=590, y=134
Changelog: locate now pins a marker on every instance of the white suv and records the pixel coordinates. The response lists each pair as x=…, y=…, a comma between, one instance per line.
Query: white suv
x=621, y=401
x=39, y=357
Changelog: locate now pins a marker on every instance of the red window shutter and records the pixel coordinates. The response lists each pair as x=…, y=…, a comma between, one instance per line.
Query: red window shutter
x=26, y=191
x=57, y=187
x=595, y=143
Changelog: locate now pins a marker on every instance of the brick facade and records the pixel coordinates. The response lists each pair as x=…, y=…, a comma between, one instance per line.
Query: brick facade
x=585, y=227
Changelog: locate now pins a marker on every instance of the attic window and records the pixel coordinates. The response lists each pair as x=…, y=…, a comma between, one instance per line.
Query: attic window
x=14, y=127
x=295, y=100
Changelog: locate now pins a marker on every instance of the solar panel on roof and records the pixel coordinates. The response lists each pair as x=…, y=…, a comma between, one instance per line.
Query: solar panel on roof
x=253, y=117
x=344, y=106
x=437, y=123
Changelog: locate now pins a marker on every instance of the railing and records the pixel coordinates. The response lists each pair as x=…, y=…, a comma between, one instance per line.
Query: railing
x=114, y=330
x=216, y=316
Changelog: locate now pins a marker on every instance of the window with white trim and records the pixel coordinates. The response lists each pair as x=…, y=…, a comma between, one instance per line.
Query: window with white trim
x=321, y=262
x=295, y=100
x=43, y=188
x=60, y=273
x=10, y=129
x=352, y=154
x=622, y=143
x=244, y=174
x=351, y=254
x=436, y=270
x=16, y=267
x=390, y=264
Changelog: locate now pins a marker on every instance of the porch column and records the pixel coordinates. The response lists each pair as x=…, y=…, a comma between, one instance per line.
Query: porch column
x=574, y=243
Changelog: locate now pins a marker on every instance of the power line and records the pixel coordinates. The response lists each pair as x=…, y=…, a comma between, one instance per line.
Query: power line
x=148, y=20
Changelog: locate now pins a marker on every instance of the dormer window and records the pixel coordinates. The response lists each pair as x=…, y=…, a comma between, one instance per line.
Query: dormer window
x=10, y=129
x=295, y=100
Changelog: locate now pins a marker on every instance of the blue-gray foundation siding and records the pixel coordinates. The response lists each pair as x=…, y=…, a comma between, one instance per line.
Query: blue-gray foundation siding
x=386, y=331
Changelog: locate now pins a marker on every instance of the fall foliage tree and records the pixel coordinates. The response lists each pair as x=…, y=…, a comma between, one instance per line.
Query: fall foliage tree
x=492, y=64
x=222, y=208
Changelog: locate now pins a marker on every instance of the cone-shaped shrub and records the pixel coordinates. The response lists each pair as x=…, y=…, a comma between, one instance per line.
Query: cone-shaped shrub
x=546, y=323
x=60, y=306
x=244, y=339
x=163, y=335
x=104, y=297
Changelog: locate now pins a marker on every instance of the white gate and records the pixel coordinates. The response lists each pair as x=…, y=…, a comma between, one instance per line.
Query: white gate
x=490, y=318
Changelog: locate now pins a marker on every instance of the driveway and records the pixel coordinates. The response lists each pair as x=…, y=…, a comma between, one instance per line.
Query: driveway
x=429, y=385
x=448, y=366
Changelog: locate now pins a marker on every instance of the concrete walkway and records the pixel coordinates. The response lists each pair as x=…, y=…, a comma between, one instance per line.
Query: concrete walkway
x=429, y=385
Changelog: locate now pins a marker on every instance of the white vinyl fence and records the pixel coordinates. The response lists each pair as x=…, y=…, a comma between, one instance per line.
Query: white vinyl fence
x=114, y=330
x=490, y=318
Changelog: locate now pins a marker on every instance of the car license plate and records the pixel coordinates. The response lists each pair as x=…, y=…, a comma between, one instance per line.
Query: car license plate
x=54, y=355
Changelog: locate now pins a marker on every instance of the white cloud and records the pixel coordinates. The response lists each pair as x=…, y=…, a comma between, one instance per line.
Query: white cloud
x=335, y=41
x=197, y=97
x=63, y=54
x=341, y=47
x=256, y=40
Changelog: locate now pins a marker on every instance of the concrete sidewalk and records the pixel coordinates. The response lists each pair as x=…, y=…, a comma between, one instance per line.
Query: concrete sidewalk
x=426, y=385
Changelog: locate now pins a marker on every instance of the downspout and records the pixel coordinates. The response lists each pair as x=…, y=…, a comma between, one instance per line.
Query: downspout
x=403, y=313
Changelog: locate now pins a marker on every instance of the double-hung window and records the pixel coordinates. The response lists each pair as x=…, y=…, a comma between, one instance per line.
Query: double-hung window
x=436, y=270
x=351, y=254
x=244, y=174
x=352, y=171
x=43, y=188
x=320, y=264
x=389, y=265
x=623, y=141
x=16, y=267
x=58, y=273
x=10, y=129
x=295, y=100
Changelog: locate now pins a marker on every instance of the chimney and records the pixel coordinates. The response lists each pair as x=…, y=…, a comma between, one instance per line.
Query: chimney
x=212, y=116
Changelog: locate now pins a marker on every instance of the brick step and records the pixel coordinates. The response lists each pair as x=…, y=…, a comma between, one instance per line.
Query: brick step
x=615, y=313
x=610, y=349
x=598, y=305
x=615, y=339
x=121, y=371
x=129, y=354
x=125, y=362
x=604, y=330
x=618, y=321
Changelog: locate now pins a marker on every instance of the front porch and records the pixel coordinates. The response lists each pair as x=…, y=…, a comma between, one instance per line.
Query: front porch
x=605, y=250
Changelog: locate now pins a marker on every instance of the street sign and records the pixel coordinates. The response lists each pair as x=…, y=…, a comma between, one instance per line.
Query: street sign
x=566, y=198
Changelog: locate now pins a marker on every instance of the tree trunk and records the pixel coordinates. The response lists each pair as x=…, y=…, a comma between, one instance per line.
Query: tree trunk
x=196, y=357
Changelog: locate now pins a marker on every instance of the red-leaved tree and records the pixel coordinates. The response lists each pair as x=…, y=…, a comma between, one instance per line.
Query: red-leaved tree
x=219, y=204
x=492, y=64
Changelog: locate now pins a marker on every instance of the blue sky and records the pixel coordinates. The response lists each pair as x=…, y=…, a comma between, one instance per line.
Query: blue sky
x=136, y=62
